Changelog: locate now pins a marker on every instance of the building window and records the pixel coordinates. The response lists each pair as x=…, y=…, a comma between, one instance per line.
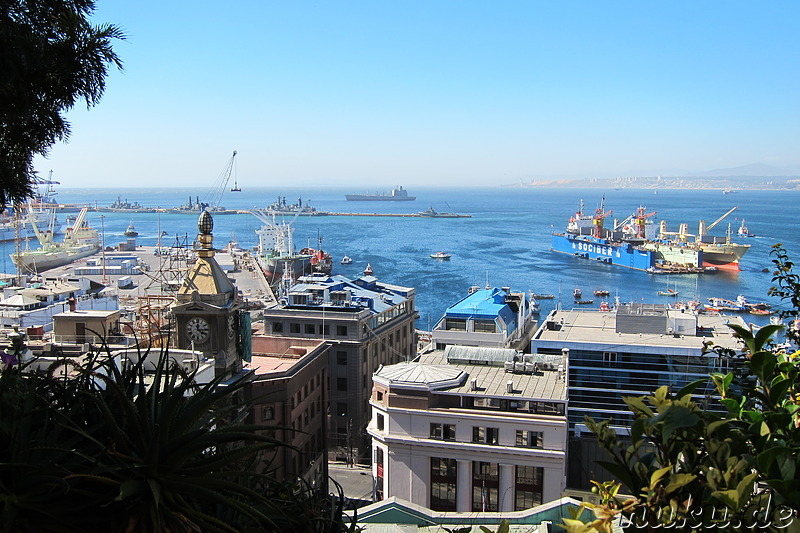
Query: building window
x=310, y=329
x=455, y=324
x=443, y=484
x=380, y=422
x=380, y=396
x=485, y=486
x=341, y=357
x=485, y=435
x=609, y=358
x=277, y=327
x=294, y=328
x=484, y=326
x=267, y=412
x=528, y=487
x=443, y=431
x=341, y=331
x=530, y=439
x=341, y=384
x=379, y=472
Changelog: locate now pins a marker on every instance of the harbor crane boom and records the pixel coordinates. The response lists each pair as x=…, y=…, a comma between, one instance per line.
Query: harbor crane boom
x=214, y=196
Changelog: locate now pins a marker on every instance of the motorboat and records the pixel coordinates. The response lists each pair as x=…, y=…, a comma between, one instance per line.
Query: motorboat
x=346, y=260
x=441, y=255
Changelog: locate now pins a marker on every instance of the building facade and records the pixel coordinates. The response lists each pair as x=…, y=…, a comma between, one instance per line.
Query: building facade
x=289, y=392
x=470, y=429
x=629, y=351
x=368, y=324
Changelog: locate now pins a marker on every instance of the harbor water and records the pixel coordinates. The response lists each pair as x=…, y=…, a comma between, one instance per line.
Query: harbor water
x=506, y=241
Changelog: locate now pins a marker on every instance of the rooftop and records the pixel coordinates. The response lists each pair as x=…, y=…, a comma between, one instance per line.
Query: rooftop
x=452, y=375
x=598, y=327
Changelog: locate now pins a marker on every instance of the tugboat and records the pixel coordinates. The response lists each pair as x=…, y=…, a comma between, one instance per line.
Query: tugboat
x=131, y=231
x=368, y=270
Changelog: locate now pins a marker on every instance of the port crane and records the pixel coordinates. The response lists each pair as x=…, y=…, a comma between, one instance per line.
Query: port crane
x=214, y=196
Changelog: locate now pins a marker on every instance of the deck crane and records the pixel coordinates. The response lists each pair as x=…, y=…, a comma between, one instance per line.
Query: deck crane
x=703, y=229
x=214, y=196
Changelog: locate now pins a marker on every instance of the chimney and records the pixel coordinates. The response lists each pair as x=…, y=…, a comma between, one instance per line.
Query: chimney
x=473, y=384
x=71, y=301
x=510, y=386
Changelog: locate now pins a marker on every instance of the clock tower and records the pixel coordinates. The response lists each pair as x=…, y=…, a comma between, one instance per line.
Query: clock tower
x=207, y=308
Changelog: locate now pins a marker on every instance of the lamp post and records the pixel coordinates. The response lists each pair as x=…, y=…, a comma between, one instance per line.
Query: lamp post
x=103, y=244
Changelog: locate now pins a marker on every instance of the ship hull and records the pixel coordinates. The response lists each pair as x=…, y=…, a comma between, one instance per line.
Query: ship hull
x=273, y=267
x=368, y=198
x=603, y=251
x=41, y=261
x=724, y=256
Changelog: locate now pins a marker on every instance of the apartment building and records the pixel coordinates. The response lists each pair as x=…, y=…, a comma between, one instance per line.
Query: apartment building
x=289, y=391
x=470, y=429
x=367, y=323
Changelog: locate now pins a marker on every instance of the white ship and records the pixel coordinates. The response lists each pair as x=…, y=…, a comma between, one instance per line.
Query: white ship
x=80, y=241
x=44, y=218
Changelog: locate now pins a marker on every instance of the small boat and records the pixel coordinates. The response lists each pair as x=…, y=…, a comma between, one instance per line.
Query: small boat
x=758, y=311
x=441, y=255
x=743, y=231
x=604, y=306
x=601, y=292
x=584, y=302
x=668, y=292
x=346, y=260
x=544, y=296
x=368, y=270
x=131, y=231
x=577, y=294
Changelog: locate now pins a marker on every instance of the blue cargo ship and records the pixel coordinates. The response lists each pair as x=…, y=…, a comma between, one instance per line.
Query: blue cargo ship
x=587, y=238
x=614, y=253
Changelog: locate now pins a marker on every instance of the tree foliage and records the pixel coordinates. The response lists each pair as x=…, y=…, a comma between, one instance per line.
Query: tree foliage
x=734, y=467
x=91, y=445
x=51, y=57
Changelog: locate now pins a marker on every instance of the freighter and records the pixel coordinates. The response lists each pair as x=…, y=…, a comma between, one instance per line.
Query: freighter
x=637, y=243
x=398, y=194
x=79, y=241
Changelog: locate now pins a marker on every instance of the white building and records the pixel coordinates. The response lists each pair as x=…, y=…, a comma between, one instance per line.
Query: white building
x=470, y=429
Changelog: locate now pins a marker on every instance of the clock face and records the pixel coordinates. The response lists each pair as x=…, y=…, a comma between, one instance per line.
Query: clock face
x=231, y=326
x=197, y=329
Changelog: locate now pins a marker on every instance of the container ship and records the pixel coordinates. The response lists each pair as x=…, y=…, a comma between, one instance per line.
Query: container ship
x=637, y=243
x=398, y=194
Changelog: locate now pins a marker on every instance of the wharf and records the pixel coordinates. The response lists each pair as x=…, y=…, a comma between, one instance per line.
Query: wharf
x=245, y=274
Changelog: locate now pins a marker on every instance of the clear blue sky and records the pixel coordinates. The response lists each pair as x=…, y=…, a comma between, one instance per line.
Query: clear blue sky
x=371, y=94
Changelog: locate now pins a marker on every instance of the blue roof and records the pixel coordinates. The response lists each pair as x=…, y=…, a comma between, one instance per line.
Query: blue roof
x=483, y=303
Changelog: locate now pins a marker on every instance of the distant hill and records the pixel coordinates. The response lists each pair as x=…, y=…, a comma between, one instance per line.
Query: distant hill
x=754, y=170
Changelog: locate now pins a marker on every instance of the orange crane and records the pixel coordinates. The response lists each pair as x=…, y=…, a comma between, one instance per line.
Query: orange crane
x=640, y=220
x=599, y=216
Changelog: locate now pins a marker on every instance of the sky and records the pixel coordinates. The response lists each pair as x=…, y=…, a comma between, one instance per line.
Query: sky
x=371, y=94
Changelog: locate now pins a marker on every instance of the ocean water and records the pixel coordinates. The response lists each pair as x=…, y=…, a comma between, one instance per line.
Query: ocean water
x=506, y=241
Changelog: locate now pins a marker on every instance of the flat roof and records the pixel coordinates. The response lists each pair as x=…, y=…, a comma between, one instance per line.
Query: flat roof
x=492, y=381
x=597, y=327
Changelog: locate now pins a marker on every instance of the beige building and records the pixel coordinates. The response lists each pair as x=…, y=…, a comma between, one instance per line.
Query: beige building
x=289, y=391
x=470, y=429
x=368, y=324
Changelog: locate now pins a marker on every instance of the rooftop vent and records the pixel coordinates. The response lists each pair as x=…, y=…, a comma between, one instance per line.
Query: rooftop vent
x=510, y=386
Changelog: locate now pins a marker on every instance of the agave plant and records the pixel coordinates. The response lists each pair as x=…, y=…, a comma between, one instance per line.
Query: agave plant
x=97, y=445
